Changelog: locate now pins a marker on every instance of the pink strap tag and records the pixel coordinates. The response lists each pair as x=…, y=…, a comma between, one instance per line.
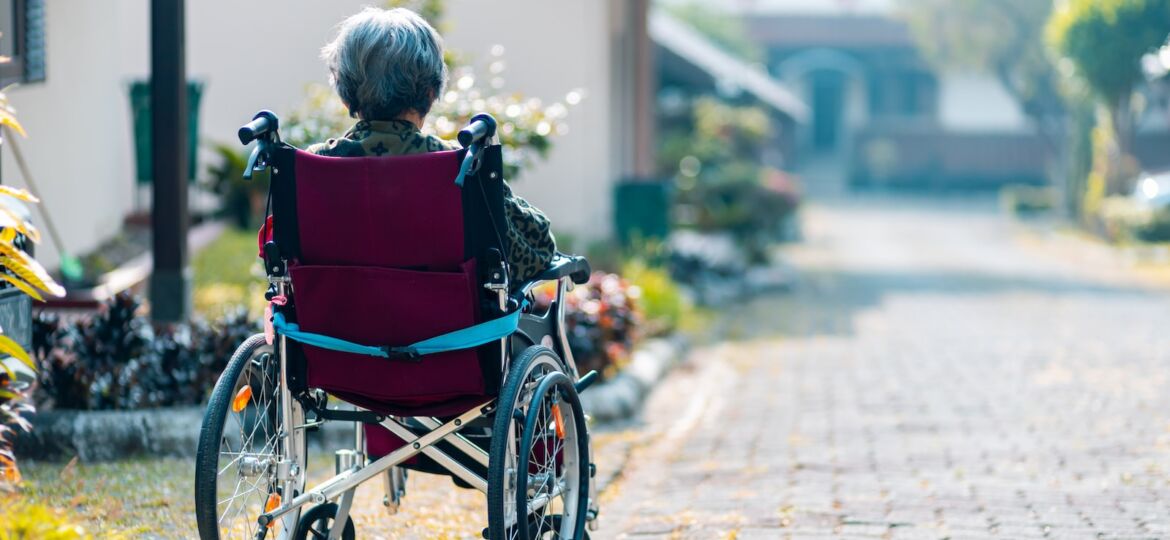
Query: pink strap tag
x=269, y=331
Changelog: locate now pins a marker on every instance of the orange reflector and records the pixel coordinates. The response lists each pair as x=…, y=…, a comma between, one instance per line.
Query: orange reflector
x=558, y=420
x=272, y=504
x=241, y=399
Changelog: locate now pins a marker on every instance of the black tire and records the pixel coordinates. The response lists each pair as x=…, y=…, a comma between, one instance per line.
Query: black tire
x=318, y=521
x=556, y=388
x=507, y=428
x=253, y=362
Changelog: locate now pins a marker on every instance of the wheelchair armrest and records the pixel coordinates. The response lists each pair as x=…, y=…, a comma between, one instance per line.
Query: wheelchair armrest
x=573, y=266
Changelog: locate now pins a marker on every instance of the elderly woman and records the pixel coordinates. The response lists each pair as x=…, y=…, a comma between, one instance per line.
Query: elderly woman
x=387, y=67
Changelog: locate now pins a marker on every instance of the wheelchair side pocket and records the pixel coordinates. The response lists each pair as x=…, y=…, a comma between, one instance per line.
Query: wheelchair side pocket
x=388, y=307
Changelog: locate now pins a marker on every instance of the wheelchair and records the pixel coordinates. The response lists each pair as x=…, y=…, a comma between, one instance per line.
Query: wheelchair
x=390, y=307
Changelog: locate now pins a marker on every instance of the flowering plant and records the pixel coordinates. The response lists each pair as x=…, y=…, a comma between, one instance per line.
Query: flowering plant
x=602, y=321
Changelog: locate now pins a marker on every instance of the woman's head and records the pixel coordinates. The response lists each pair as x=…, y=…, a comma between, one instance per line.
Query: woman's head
x=386, y=63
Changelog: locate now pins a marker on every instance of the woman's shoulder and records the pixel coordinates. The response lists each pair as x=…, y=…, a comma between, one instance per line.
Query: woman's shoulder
x=339, y=147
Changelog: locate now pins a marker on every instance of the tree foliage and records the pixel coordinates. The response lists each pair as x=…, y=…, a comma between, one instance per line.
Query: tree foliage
x=1003, y=38
x=727, y=32
x=1106, y=39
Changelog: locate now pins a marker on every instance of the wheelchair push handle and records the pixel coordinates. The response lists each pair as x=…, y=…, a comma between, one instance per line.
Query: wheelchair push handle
x=481, y=127
x=262, y=124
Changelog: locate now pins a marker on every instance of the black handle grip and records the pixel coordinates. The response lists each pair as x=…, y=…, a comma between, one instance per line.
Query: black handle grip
x=263, y=123
x=585, y=382
x=582, y=273
x=482, y=126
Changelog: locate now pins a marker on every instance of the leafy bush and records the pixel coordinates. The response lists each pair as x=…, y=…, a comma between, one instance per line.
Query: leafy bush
x=13, y=408
x=663, y=304
x=1024, y=201
x=116, y=359
x=602, y=321
x=228, y=274
x=1123, y=219
x=241, y=201
x=714, y=150
x=20, y=270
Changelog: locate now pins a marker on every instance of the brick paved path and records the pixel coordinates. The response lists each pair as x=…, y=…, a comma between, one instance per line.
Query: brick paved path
x=929, y=378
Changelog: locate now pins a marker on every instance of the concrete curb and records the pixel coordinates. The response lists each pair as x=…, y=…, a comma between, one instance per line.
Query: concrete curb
x=110, y=435
x=174, y=432
x=621, y=397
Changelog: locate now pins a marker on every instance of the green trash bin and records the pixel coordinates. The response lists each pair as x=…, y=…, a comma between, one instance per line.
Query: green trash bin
x=140, y=110
x=641, y=210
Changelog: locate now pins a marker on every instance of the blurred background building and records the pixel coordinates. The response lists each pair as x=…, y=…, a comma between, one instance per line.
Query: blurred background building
x=846, y=93
x=263, y=54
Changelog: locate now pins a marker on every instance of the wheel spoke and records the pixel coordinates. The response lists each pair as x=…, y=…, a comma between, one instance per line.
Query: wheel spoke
x=249, y=449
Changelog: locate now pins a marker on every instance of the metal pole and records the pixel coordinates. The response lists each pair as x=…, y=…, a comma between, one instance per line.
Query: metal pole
x=170, y=290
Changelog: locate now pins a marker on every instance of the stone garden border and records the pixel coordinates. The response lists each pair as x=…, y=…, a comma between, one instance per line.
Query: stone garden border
x=174, y=432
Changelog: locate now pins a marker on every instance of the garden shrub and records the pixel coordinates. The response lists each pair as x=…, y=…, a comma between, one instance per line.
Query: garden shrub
x=1123, y=219
x=663, y=304
x=602, y=321
x=116, y=359
x=1027, y=201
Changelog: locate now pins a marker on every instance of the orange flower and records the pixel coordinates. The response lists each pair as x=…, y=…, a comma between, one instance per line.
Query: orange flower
x=9, y=474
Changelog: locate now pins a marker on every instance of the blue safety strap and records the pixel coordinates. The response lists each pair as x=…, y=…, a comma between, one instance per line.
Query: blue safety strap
x=293, y=331
x=466, y=338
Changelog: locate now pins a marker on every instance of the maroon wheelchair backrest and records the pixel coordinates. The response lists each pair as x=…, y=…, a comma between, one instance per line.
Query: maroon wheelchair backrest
x=384, y=251
x=389, y=212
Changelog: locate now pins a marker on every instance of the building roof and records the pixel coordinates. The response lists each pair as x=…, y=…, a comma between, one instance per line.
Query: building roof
x=801, y=30
x=799, y=7
x=726, y=70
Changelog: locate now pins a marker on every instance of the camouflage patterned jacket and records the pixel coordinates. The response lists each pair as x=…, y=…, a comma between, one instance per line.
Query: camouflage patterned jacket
x=529, y=231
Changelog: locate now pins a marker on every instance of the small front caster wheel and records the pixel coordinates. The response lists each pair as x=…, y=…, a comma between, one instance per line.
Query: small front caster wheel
x=316, y=523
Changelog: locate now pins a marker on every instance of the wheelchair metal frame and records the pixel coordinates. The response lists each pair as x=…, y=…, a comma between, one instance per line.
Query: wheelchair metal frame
x=353, y=469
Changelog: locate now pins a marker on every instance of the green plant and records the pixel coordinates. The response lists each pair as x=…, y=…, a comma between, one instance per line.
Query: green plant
x=1024, y=201
x=726, y=31
x=663, y=304
x=242, y=200
x=1104, y=42
x=228, y=275
x=1122, y=220
x=712, y=152
x=20, y=270
x=603, y=321
x=115, y=358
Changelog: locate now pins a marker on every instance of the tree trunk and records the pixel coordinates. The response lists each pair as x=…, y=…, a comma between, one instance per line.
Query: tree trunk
x=1123, y=165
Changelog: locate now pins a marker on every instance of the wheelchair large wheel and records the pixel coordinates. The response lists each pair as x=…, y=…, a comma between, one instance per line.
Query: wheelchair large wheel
x=538, y=473
x=243, y=463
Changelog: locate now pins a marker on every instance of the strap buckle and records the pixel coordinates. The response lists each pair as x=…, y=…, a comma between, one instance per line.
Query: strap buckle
x=408, y=354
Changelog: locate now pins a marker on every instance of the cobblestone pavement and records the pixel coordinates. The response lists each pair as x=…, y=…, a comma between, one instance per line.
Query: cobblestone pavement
x=930, y=377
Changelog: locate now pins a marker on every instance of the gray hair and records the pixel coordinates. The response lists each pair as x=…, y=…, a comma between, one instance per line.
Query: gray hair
x=384, y=63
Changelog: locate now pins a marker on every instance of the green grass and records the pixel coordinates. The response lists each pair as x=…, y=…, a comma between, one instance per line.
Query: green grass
x=134, y=498
x=228, y=274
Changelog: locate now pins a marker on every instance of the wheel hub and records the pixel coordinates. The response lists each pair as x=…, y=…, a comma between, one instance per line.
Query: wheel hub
x=251, y=466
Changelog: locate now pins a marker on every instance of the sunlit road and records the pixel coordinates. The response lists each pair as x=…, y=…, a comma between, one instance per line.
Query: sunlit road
x=932, y=376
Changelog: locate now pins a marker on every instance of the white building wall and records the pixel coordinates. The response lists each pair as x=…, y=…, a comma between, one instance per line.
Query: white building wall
x=262, y=54
x=976, y=103
x=552, y=48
